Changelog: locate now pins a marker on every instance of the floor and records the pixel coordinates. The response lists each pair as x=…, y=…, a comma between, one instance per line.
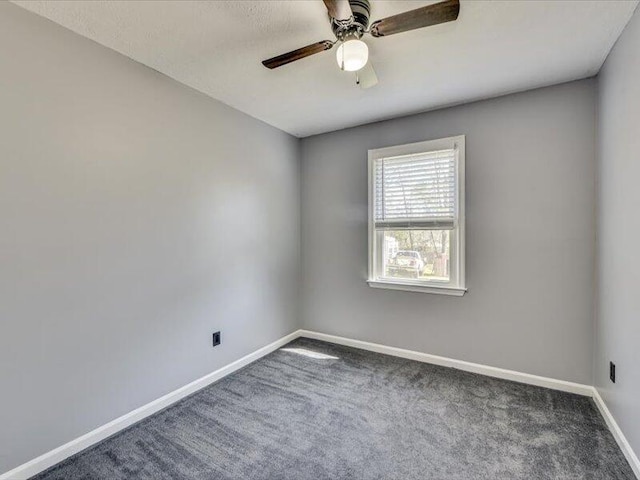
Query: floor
x=314, y=410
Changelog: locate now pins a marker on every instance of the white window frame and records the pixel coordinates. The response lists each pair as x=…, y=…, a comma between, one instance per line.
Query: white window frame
x=456, y=285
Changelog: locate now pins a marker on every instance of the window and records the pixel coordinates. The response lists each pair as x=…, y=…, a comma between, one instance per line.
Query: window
x=416, y=217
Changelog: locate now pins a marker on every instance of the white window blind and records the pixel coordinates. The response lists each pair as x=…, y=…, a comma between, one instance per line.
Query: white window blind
x=416, y=191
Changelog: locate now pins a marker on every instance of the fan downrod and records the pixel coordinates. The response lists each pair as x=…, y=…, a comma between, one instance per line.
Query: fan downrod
x=357, y=25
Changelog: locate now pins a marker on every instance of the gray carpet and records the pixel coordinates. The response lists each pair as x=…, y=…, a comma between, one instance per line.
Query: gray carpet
x=344, y=413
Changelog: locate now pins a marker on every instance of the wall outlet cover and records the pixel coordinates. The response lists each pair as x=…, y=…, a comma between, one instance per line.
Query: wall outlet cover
x=612, y=372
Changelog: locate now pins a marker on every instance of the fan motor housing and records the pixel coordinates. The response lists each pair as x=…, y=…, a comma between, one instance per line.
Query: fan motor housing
x=357, y=25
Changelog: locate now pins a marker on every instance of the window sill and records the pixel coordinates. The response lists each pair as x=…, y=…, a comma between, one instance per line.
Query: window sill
x=412, y=287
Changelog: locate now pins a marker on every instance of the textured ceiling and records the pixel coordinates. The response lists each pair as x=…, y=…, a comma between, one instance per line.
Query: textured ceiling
x=495, y=47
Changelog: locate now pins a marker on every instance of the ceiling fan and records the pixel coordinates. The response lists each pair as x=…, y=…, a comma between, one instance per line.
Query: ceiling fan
x=350, y=22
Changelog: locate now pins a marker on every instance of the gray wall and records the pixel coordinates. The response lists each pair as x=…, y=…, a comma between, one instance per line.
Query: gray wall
x=136, y=217
x=530, y=236
x=618, y=324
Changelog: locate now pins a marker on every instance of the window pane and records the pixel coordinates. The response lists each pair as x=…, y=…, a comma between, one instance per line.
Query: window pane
x=416, y=254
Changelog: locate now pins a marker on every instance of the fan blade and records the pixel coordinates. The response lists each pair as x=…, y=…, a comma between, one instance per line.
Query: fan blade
x=420, y=17
x=298, y=54
x=339, y=9
x=366, y=76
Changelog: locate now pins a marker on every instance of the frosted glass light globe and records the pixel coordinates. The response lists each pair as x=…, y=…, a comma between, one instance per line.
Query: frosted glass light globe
x=352, y=55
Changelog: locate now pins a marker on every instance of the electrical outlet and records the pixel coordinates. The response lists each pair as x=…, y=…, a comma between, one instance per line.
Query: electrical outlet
x=612, y=372
x=216, y=338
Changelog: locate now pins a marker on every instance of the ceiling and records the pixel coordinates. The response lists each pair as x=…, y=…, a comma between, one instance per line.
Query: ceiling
x=494, y=48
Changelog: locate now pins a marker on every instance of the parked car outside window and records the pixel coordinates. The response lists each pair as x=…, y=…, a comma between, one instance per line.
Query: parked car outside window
x=406, y=262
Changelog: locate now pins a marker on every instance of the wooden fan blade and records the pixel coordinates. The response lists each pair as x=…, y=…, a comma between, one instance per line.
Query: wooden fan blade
x=420, y=17
x=367, y=77
x=298, y=54
x=339, y=9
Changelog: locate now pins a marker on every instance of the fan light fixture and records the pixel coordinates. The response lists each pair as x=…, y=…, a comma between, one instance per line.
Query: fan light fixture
x=352, y=55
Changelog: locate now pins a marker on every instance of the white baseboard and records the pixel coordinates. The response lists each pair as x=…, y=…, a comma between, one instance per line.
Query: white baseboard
x=630, y=455
x=63, y=452
x=527, y=378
